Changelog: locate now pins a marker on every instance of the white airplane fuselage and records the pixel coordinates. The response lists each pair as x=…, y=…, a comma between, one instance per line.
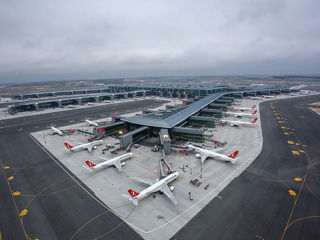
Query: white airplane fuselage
x=248, y=115
x=212, y=154
x=243, y=109
x=240, y=123
x=84, y=146
x=92, y=123
x=111, y=162
x=156, y=187
x=56, y=131
x=256, y=98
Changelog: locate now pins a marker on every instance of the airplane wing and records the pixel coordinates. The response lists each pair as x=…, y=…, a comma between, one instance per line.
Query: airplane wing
x=90, y=148
x=166, y=190
x=203, y=157
x=145, y=180
x=217, y=149
x=103, y=158
x=118, y=166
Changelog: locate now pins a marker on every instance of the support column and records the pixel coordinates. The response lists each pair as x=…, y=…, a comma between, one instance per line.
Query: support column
x=59, y=104
x=79, y=101
x=36, y=105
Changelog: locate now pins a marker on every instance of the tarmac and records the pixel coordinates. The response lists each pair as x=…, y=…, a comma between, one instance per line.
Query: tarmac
x=5, y=115
x=277, y=196
x=166, y=219
x=255, y=205
x=39, y=197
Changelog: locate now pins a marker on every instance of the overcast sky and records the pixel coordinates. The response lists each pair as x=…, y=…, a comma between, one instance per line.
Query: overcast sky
x=59, y=40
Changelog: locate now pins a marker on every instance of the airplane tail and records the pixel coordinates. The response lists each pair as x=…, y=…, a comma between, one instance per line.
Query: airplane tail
x=233, y=155
x=68, y=146
x=253, y=106
x=133, y=193
x=90, y=164
x=254, y=112
x=254, y=121
x=133, y=197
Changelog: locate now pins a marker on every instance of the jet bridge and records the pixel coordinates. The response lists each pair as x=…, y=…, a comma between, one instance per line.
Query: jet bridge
x=165, y=141
x=133, y=137
x=188, y=133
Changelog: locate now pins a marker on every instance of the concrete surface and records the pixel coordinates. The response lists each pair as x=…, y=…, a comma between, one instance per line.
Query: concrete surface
x=164, y=220
x=277, y=196
x=5, y=115
x=58, y=204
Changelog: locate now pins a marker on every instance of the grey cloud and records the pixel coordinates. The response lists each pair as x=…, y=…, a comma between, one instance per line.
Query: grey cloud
x=58, y=40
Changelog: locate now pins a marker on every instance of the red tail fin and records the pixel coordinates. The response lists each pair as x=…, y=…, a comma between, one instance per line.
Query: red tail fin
x=133, y=193
x=254, y=121
x=253, y=106
x=254, y=112
x=233, y=155
x=68, y=145
x=90, y=164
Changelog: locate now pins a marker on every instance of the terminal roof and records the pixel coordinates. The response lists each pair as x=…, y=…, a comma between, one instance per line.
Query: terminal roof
x=175, y=117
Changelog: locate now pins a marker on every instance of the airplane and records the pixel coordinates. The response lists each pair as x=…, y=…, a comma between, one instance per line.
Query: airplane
x=269, y=96
x=203, y=154
x=239, y=115
x=243, y=108
x=257, y=98
x=109, y=162
x=240, y=123
x=56, y=131
x=305, y=92
x=91, y=123
x=89, y=146
x=4, y=99
x=60, y=132
x=154, y=186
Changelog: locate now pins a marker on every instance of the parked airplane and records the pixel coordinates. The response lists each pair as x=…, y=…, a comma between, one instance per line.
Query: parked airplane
x=92, y=123
x=89, y=146
x=56, y=131
x=239, y=123
x=239, y=115
x=60, y=132
x=257, y=98
x=305, y=92
x=270, y=96
x=203, y=154
x=109, y=162
x=243, y=108
x=154, y=186
x=3, y=99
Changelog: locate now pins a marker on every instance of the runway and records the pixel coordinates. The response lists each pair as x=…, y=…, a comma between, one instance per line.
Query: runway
x=278, y=196
x=41, y=200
